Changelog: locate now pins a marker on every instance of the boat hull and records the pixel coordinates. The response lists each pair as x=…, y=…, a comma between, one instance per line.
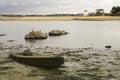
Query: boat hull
x=46, y=62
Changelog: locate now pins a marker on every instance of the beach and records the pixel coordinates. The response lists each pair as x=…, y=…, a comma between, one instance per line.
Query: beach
x=60, y=18
x=80, y=64
x=88, y=63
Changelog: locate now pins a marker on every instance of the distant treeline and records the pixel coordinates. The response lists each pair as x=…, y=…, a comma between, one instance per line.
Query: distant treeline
x=115, y=11
x=35, y=15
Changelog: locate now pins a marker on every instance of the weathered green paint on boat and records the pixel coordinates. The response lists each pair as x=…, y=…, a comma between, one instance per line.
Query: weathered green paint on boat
x=39, y=61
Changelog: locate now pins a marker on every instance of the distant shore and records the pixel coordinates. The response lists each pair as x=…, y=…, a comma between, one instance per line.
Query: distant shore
x=60, y=18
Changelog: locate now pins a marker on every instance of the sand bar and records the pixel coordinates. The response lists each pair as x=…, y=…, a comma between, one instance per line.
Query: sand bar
x=60, y=18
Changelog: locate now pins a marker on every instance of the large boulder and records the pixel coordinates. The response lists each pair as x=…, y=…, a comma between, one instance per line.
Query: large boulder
x=36, y=35
x=57, y=32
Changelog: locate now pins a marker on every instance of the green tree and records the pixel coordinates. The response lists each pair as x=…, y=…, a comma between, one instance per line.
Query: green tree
x=115, y=11
x=100, y=12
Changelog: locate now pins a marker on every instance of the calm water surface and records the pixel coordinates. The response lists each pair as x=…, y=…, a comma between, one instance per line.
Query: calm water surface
x=95, y=34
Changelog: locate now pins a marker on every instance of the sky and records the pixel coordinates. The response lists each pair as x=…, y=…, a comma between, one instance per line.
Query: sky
x=54, y=6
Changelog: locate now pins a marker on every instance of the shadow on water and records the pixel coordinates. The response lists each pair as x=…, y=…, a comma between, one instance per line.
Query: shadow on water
x=30, y=40
x=45, y=72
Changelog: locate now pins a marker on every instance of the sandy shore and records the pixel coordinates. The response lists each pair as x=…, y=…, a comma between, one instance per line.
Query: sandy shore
x=61, y=18
x=80, y=64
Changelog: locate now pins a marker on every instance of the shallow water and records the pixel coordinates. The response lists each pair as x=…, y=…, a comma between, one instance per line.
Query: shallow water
x=95, y=34
x=80, y=63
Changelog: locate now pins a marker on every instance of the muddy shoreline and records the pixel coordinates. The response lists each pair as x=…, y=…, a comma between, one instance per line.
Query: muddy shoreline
x=80, y=64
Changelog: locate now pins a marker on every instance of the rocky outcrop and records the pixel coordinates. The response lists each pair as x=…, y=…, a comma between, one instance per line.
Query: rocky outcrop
x=36, y=35
x=57, y=32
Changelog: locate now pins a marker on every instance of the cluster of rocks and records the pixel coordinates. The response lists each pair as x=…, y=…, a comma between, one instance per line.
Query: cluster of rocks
x=39, y=35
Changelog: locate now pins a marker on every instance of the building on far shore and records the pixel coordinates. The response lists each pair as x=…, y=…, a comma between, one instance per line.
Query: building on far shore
x=85, y=13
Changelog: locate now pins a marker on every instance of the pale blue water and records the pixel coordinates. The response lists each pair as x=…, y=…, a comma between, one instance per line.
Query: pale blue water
x=95, y=34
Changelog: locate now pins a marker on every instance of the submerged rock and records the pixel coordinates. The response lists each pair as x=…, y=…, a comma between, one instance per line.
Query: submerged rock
x=10, y=40
x=3, y=34
x=108, y=47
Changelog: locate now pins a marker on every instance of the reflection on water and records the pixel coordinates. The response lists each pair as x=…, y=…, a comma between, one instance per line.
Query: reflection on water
x=95, y=34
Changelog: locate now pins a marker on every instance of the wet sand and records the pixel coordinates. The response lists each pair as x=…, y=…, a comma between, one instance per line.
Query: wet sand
x=80, y=64
x=61, y=18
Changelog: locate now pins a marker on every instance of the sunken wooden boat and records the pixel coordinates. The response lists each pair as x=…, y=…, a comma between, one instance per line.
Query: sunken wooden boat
x=57, y=33
x=36, y=35
x=38, y=61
